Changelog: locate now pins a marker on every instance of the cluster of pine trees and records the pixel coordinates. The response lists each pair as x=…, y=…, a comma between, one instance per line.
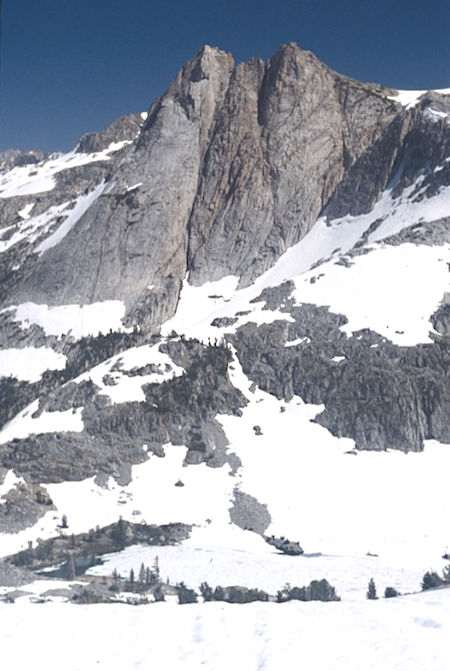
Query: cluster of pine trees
x=145, y=578
x=430, y=580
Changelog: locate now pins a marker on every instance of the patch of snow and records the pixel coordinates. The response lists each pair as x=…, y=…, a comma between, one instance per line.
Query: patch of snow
x=24, y=213
x=128, y=388
x=82, y=204
x=24, y=424
x=337, y=359
x=393, y=290
x=77, y=320
x=144, y=115
x=32, y=228
x=396, y=214
x=30, y=362
x=25, y=180
x=135, y=186
x=198, y=306
x=434, y=115
x=297, y=341
x=152, y=492
x=10, y=482
x=411, y=98
x=150, y=497
x=113, y=147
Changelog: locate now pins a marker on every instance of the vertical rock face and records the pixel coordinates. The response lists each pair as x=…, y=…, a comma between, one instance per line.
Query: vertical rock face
x=231, y=190
x=280, y=146
x=232, y=166
x=135, y=235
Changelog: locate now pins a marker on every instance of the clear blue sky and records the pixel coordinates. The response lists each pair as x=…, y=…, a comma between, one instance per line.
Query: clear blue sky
x=72, y=67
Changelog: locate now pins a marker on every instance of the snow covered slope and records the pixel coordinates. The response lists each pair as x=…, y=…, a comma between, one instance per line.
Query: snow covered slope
x=263, y=636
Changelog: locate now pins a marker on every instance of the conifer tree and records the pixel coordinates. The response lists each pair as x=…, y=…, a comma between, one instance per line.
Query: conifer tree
x=371, y=591
x=142, y=573
x=119, y=534
x=206, y=591
x=185, y=595
x=159, y=594
x=430, y=580
x=155, y=569
x=390, y=592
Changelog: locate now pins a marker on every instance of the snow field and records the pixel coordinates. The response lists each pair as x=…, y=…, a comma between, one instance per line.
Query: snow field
x=435, y=115
x=226, y=555
x=383, y=291
x=10, y=481
x=333, y=501
x=151, y=496
x=30, y=229
x=81, y=205
x=317, y=492
x=37, y=178
x=25, y=211
x=343, y=516
x=394, y=635
x=33, y=228
x=411, y=98
x=394, y=301
x=30, y=362
x=78, y=321
x=129, y=388
x=24, y=424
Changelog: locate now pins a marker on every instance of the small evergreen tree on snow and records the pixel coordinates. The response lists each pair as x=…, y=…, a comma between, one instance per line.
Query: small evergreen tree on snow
x=186, y=595
x=142, y=574
x=159, y=594
x=219, y=593
x=371, y=590
x=155, y=569
x=390, y=592
x=321, y=590
x=430, y=580
x=64, y=524
x=119, y=534
x=131, y=577
x=446, y=574
x=317, y=590
x=206, y=591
